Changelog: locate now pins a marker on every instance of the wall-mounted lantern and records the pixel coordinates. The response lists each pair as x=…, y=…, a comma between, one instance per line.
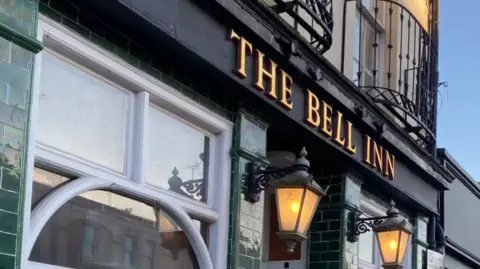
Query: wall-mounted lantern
x=297, y=196
x=391, y=232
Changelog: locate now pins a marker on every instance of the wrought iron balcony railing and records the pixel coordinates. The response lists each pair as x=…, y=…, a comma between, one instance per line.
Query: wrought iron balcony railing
x=395, y=60
x=312, y=19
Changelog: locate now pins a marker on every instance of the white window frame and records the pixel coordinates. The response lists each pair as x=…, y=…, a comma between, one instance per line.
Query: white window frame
x=368, y=18
x=372, y=209
x=58, y=38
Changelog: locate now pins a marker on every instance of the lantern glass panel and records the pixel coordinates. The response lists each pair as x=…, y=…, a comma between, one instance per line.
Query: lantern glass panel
x=404, y=237
x=310, y=202
x=388, y=242
x=289, y=203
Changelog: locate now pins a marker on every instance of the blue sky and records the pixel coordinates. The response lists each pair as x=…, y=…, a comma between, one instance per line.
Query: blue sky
x=459, y=105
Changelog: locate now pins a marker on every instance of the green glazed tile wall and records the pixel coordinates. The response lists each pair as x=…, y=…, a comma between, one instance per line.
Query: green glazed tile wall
x=16, y=66
x=420, y=242
x=20, y=15
x=327, y=228
x=246, y=219
x=353, y=188
x=250, y=229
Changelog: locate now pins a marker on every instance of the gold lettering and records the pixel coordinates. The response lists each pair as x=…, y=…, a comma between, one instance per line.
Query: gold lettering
x=327, y=119
x=313, y=104
x=367, y=148
x=245, y=49
x=390, y=165
x=350, y=148
x=377, y=156
x=286, y=91
x=262, y=72
x=338, y=139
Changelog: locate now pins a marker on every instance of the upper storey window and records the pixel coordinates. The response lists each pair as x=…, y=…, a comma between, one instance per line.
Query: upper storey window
x=395, y=60
x=368, y=42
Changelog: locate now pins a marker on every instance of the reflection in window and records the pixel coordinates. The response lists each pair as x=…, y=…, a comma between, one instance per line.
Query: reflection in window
x=118, y=232
x=81, y=114
x=179, y=155
x=128, y=249
x=88, y=240
x=150, y=255
x=366, y=246
x=43, y=183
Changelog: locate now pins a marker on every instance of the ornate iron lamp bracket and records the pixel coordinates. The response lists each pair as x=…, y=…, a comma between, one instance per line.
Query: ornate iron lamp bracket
x=258, y=178
x=358, y=226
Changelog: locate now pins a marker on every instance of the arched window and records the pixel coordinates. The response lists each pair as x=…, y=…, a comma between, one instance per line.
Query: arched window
x=100, y=229
x=126, y=171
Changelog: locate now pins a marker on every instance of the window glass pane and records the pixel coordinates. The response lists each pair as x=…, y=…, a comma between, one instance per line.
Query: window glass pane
x=179, y=155
x=356, y=36
x=366, y=247
x=369, y=34
x=81, y=114
x=99, y=229
x=367, y=4
x=44, y=182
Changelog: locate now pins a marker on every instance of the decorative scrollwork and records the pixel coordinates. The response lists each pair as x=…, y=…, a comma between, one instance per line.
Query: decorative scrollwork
x=359, y=226
x=362, y=225
x=191, y=188
x=366, y=225
x=258, y=178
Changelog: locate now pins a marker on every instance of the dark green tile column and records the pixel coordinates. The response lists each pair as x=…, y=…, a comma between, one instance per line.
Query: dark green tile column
x=329, y=248
x=420, y=243
x=246, y=219
x=18, y=23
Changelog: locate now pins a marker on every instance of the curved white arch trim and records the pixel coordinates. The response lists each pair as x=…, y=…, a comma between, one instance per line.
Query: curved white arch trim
x=50, y=204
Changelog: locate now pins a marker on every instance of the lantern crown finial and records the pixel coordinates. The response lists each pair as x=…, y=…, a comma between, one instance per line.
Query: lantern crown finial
x=392, y=211
x=302, y=160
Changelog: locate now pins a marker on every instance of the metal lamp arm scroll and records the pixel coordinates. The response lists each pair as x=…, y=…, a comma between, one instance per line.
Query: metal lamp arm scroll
x=358, y=226
x=259, y=179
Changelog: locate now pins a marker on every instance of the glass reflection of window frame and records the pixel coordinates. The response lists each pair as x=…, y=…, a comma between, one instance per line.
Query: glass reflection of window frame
x=88, y=244
x=128, y=248
x=178, y=183
x=150, y=255
x=146, y=89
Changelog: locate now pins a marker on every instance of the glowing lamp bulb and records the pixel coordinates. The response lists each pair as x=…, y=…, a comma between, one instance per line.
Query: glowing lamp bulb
x=393, y=244
x=295, y=207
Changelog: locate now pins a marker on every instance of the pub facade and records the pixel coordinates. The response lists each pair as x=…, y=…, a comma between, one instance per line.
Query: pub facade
x=220, y=134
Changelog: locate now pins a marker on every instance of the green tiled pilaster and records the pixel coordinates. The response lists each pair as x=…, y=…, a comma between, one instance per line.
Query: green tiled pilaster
x=246, y=219
x=420, y=242
x=328, y=246
x=18, y=22
x=352, y=201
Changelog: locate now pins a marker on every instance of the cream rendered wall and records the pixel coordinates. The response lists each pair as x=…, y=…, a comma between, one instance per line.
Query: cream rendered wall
x=334, y=55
